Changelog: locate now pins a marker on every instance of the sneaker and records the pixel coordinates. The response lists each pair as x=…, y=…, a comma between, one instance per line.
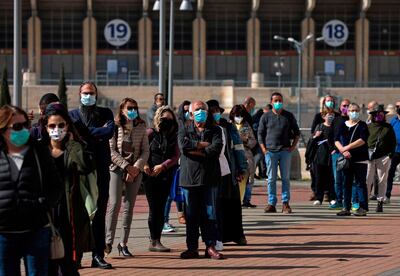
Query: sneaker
x=386, y=200
x=355, y=206
x=168, y=228
x=270, y=209
x=379, y=207
x=372, y=197
x=344, y=212
x=286, y=208
x=360, y=212
x=219, y=246
x=336, y=206
x=317, y=203
x=248, y=205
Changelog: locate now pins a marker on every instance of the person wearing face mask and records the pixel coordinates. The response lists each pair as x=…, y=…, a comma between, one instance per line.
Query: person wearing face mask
x=381, y=147
x=159, y=101
x=395, y=122
x=95, y=126
x=338, y=175
x=322, y=140
x=245, y=130
x=38, y=130
x=278, y=134
x=72, y=217
x=129, y=153
x=200, y=144
x=159, y=169
x=328, y=104
x=24, y=225
x=351, y=142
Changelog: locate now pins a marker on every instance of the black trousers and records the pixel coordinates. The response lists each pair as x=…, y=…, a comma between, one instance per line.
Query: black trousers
x=99, y=220
x=323, y=182
x=157, y=191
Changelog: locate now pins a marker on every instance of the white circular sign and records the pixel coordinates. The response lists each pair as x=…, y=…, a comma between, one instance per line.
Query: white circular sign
x=117, y=32
x=335, y=33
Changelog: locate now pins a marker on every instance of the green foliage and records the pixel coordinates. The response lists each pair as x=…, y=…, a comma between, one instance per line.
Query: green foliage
x=62, y=89
x=5, y=97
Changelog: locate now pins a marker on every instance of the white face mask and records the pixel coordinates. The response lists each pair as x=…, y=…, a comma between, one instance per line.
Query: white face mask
x=57, y=134
x=238, y=120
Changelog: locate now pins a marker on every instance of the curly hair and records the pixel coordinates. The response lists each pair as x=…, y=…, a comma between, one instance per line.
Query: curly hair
x=157, y=117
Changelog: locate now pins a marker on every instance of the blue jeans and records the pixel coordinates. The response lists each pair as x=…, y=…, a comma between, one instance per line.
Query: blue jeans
x=167, y=210
x=33, y=247
x=248, y=192
x=339, y=182
x=273, y=159
x=200, y=213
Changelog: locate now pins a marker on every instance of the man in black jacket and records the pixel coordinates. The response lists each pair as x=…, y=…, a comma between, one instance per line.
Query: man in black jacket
x=200, y=144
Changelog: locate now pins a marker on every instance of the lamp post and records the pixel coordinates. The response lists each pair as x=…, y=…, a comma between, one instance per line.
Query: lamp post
x=299, y=46
x=160, y=5
x=278, y=65
x=17, y=67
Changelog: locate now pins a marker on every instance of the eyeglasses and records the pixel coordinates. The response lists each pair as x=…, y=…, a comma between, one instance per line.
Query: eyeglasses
x=130, y=108
x=53, y=126
x=160, y=99
x=397, y=106
x=345, y=105
x=19, y=126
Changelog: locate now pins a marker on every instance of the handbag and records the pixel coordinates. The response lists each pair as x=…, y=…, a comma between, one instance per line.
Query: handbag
x=343, y=163
x=371, y=152
x=56, y=243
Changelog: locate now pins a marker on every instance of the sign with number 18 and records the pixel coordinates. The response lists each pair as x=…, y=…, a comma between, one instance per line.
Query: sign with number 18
x=335, y=33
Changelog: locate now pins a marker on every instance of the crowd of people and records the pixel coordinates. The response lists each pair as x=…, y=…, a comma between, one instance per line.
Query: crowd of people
x=70, y=168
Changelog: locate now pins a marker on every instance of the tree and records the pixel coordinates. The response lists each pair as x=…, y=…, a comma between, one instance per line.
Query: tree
x=62, y=89
x=5, y=90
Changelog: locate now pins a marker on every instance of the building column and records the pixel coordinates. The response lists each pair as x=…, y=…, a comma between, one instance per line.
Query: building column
x=308, y=58
x=199, y=48
x=253, y=46
x=89, y=44
x=362, y=51
x=145, y=47
x=35, y=42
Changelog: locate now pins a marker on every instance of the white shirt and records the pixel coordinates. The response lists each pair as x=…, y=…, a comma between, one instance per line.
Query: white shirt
x=223, y=162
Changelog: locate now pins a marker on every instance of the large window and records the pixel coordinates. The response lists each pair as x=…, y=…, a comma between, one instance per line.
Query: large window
x=285, y=27
x=62, y=28
x=7, y=27
x=385, y=30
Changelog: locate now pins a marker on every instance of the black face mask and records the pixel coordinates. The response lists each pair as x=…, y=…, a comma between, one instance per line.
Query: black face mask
x=398, y=110
x=166, y=124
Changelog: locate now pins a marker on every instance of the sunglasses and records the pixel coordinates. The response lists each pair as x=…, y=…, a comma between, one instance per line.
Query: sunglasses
x=397, y=106
x=160, y=99
x=19, y=126
x=130, y=108
x=53, y=126
x=345, y=105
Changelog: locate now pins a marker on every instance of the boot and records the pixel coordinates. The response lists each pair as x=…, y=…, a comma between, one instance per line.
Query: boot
x=156, y=246
x=379, y=207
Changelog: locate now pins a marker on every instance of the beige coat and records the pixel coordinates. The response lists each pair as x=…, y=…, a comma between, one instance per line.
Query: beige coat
x=137, y=137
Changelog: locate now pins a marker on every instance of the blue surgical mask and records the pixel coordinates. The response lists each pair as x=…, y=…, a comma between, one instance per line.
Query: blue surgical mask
x=88, y=100
x=278, y=105
x=187, y=116
x=19, y=137
x=252, y=111
x=329, y=104
x=354, y=115
x=132, y=114
x=200, y=116
x=217, y=116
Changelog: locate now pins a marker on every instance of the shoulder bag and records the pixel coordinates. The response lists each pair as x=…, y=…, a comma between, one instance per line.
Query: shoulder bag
x=343, y=163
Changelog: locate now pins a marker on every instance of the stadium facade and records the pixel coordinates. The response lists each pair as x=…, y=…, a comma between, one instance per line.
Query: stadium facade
x=218, y=40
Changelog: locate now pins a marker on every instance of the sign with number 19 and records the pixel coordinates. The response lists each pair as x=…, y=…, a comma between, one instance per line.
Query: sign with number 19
x=117, y=32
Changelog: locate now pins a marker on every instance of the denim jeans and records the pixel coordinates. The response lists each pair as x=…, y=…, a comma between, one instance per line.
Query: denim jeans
x=339, y=182
x=179, y=207
x=273, y=159
x=200, y=210
x=33, y=247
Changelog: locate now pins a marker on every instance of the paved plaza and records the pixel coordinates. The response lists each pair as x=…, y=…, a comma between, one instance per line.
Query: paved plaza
x=311, y=241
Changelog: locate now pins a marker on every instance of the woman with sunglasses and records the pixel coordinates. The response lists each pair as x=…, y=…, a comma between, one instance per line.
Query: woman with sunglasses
x=72, y=216
x=129, y=153
x=24, y=231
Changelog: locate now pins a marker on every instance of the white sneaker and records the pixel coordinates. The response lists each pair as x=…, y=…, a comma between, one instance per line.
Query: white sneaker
x=317, y=203
x=332, y=202
x=386, y=200
x=219, y=246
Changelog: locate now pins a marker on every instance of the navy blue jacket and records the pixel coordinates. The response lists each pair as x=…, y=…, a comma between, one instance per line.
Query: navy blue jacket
x=96, y=134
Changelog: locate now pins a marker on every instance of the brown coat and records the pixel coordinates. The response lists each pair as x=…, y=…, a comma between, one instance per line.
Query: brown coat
x=139, y=144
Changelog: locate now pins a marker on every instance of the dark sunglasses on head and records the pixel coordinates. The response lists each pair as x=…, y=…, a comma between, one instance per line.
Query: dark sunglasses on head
x=130, y=108
x=53, y=126
x=19, y=126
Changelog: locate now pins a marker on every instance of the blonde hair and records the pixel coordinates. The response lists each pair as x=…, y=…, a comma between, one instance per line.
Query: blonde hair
x=157, y=116
x=6, y=114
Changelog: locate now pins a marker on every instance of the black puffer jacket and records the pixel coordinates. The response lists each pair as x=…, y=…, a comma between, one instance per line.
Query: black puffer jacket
x=23, y=202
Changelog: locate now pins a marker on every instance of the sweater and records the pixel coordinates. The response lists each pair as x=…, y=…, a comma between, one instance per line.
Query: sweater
x=387, y=139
